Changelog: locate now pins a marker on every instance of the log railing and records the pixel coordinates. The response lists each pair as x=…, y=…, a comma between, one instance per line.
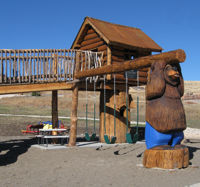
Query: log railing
x=29, y=66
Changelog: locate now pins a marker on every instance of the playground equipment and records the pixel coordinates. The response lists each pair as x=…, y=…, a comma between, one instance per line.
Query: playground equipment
x=30, y=129
x=34, y=129
x=168, y=57
x=96, y=51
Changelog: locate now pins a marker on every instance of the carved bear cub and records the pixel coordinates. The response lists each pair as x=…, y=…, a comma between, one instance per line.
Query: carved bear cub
x=165, y=116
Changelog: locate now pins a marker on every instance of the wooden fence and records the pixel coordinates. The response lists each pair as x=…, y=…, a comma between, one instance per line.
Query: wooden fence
x=29, y=66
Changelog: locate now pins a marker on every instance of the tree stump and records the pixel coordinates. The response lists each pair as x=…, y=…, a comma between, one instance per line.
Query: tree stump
x=166, y=158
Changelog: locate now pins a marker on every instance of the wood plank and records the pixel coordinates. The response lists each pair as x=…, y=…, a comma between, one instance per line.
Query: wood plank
x=102, y=48
x=118, y=59
x=46, y=65
x=91, y=41
x=10, y=67
x=33, y=67
x=30, y=68
x=55, y=66
x=14, y=66
x=144, y=69
x=92, y=46
x=5, y=79
x=65, y=65
x=118, y=53
x=90, y=31
x=23, y=67
x=11, y=89
x=19, y=67
x=90, y=36
x=37, y=77
x=143, y=74
x=43, y=66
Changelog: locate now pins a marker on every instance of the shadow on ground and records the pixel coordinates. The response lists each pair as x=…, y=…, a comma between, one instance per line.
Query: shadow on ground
x=192, y=150
x=10, y=150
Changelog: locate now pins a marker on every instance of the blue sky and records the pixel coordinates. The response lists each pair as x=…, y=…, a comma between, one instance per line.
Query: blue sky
x=172, y=24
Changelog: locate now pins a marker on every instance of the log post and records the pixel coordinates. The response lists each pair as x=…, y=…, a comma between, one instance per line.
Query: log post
x=55, y=108
x=109, y=60
x=73, y=127
x=74, y=119
x=55, y=67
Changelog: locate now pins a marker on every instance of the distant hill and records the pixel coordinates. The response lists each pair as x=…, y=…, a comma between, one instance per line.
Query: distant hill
x=192, y=90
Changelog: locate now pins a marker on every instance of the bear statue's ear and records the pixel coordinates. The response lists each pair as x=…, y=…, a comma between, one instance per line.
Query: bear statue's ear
x=158, y=65
x=153, y=66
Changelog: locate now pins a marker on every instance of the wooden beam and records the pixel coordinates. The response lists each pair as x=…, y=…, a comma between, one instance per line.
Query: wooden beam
x=11, y=89
x=88, y=42
x=92, y=46
x=118, y=59
x=142, y=62
x=90, y=36
x=90, y=31
x=102, y=48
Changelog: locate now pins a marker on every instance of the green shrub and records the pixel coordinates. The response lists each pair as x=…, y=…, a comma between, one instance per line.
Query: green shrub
x=36, y=94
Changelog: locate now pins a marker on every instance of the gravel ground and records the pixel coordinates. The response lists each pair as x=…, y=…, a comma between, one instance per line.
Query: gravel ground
x=121, y=165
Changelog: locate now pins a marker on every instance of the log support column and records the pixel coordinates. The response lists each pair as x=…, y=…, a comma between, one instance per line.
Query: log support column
x=74, y=119
x=54, y=109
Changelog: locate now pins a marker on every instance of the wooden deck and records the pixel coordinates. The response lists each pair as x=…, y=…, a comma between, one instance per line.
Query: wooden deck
x=30, y=70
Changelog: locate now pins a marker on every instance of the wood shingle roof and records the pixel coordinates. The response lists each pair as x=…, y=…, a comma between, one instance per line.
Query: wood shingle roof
x=114, y=34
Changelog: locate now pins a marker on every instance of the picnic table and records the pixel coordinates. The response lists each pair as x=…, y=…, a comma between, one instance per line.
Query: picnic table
x=45, y=134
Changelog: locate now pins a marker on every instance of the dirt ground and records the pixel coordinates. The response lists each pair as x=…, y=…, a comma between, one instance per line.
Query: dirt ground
x=119, y=165
x=21, y=164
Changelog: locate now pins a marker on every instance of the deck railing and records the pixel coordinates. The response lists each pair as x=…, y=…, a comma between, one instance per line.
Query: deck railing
x=29, y=66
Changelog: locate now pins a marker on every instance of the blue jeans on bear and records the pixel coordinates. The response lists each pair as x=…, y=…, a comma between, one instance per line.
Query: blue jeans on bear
x=154, y=138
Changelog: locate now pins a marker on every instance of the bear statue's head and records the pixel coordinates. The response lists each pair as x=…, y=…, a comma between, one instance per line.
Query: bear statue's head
x=172, y=74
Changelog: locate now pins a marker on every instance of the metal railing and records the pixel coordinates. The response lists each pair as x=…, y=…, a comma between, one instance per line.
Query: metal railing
x=29, y=66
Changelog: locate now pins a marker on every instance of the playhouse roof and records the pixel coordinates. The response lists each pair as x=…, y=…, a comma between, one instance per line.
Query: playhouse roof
x=115, y=34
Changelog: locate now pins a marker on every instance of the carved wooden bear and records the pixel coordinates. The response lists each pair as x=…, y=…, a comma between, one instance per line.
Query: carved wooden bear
x=165, y=116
